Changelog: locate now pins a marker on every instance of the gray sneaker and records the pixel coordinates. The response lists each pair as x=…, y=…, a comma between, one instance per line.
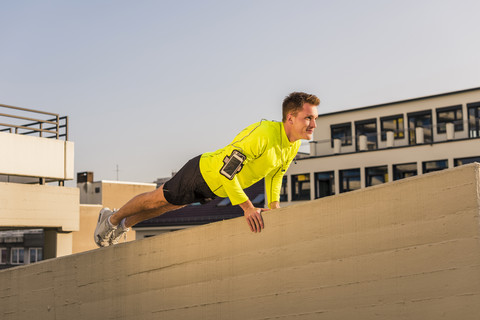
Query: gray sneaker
x=118, y=234
x=103, y=231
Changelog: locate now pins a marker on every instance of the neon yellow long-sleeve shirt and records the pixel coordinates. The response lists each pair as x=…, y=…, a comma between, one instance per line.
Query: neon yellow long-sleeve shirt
x=262, y=150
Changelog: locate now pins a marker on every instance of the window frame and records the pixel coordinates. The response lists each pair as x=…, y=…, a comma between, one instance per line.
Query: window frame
x=394, y=166
x=476, y=107
x=37, y=249
x=18, y=255
x=414, y=115
x=3, y=249
x=341, y=180
x=367, y=176
x=332, y=184
x=397, y=132
x=456, y=161
x=424, y=163
x=303, y=196
x=374, y=134
x=347, y=140
x=458, y=123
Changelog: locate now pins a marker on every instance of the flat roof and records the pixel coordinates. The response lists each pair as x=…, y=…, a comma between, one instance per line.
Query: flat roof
x=398, y=102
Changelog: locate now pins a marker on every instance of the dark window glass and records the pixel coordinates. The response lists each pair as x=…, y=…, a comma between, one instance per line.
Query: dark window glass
x=473, y=120
x=376, y=175
x=324, y=184
x=301, y=187
x=349, y=180
x=4, y=257
x=462, y=161
x=404, y=170
x=342, y=132
x=420, y=120
x=431, y=166
x=447, y=115
x=367, y=128
x=283, y=190
x=395, y=124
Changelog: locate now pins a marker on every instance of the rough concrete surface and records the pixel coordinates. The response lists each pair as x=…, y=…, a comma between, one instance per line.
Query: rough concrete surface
x=403, y=250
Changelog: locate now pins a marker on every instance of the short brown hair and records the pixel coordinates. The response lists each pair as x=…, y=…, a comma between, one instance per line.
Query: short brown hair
x=294, y=102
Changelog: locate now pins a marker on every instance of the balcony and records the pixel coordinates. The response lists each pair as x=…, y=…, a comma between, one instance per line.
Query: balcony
x=34, y=146
x=35, y=152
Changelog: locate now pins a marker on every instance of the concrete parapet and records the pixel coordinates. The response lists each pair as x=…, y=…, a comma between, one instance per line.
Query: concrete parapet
x=36, y=157
x=403, y=250
x=27, y=206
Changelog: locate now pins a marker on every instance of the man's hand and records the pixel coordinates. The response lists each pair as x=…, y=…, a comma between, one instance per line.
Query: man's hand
x=275, y=205
x=253, y=216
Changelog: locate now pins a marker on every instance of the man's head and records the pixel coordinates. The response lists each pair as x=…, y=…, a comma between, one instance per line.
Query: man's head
x=299, y=115
x=293, y=103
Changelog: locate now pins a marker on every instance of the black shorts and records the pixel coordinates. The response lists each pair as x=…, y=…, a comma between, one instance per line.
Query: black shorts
x=188, y=186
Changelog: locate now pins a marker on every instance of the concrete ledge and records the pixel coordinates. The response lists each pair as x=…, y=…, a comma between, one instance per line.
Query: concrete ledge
x=24, y=205
x=403, y=250
x=36, y=157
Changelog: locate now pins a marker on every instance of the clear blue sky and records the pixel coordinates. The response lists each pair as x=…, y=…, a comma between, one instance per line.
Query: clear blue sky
x=149, y=84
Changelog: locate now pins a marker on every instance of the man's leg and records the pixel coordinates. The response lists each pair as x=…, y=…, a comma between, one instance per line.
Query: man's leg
x=143, y=207
x=110, y=228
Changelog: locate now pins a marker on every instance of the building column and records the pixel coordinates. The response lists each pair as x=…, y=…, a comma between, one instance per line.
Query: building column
x=312, y=185
x=57, y=243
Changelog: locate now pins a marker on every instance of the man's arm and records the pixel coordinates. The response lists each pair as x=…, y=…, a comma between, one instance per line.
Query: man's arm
x=253, y=216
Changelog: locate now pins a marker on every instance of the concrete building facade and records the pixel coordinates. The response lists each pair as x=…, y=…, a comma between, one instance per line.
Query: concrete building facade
x=367, y=146
x=36, y=158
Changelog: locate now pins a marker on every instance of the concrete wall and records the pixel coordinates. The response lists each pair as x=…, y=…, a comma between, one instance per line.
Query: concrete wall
x=24, y=205
x=36, y=157
x=385, y=157
x=403, y=250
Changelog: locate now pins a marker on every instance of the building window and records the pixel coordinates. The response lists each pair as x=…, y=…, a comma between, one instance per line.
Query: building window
x=447, y=115
x=301, y=187
x=394, y=124
x=376, y=175
x=342, y=132
x=17, y=256
x=473, y=120
x=3, y=255
x=431, y=166
x=35, y=254
x=462, y=161
x=324, y=184
x=404, y=170
x=366, y=128
x=284, y=190
x=349, y=180
x=423, y=120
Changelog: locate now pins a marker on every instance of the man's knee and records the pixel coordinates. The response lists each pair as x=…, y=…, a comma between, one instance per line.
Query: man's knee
x=154, y=199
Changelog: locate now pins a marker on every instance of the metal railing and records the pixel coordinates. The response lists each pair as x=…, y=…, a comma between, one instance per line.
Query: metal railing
x=28, y=121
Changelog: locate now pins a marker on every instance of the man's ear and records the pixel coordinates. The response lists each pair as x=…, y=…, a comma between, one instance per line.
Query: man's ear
x=290, y=118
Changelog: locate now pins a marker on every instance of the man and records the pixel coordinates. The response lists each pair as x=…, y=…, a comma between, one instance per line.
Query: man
x=262, y=150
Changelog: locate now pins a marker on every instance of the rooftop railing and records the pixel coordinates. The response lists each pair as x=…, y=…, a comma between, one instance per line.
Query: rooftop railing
x=33, y=122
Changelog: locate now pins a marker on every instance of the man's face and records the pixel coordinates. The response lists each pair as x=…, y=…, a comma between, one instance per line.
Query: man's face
x=303, y=124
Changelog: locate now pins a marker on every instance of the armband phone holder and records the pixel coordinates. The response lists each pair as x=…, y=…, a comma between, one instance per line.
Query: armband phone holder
x=233, y=164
